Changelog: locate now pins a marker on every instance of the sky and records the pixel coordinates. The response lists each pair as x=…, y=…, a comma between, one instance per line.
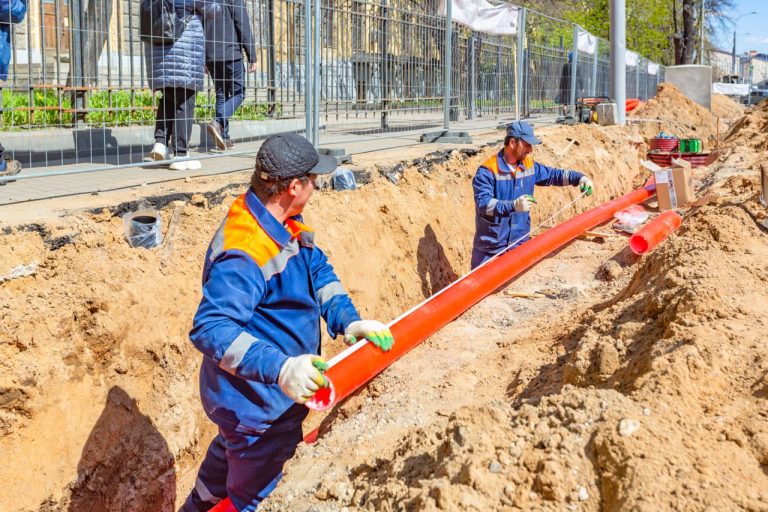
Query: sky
x=751, y=31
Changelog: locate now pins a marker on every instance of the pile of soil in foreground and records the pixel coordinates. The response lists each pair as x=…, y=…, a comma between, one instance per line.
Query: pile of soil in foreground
x=661, y=402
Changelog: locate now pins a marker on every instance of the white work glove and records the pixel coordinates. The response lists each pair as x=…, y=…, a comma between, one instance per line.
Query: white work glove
x=375, y=331
x=301, y=376
x=586, y=185
x=523, y=203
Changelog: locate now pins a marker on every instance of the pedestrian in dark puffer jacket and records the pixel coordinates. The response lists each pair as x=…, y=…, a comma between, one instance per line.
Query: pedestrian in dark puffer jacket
x=226, y=37
x=178, y=71
x=11, y=12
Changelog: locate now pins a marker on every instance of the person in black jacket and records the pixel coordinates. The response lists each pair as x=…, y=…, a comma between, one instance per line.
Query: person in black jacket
x=226, y=37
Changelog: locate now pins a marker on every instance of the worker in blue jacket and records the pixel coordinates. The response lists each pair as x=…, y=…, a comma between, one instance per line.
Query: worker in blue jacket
x=503, y=188
x=265, y=287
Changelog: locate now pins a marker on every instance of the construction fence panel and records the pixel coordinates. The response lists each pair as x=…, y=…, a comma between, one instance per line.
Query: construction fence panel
x=381, y=67
x=546, y=65
x=484, y=80
x=78, y=90
x=78, y=94
x=603, y=85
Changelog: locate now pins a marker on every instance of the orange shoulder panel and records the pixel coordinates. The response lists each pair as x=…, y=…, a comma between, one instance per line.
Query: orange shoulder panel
x=242, y=232
x=492, y=164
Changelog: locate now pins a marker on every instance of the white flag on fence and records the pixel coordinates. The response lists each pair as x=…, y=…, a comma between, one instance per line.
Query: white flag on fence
x=630, y=58
x=653, y=68
x=483, y=16
x=587, y=42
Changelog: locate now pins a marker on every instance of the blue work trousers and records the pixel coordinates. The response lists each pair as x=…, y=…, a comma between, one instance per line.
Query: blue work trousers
x=244, y=467
x=229, y=80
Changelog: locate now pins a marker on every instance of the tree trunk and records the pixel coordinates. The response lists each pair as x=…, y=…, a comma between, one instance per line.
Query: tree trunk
x=677, y=36
x=689, y=33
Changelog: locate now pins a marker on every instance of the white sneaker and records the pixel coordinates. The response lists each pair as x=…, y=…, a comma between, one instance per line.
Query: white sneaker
x=159, y=152
x=193, y=165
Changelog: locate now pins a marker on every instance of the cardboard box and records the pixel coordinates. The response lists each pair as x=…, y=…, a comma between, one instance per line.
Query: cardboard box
x=674, y=184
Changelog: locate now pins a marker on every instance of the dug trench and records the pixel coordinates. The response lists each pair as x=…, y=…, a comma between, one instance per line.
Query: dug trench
x=517, y=403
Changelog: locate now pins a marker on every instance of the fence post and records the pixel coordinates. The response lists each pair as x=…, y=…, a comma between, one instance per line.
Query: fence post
x=472, y=77
x=316, y=84
x=520, y=61
x=498, y=78
x=76, y=51
x=385, y=66
x=637, y=76
x=271, y=65
x=447, y=63
x=593, y=88
x=307, y=69
x=574, y=69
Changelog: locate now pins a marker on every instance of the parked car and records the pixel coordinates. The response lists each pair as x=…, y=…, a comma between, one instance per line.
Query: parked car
x=755, y=97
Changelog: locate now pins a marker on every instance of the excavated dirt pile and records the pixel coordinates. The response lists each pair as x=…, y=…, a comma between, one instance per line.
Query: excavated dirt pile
x=750, y=129
x=645, y=391
x=725, y=108
x=660, y=402
x=681, y=115
x=656, y=397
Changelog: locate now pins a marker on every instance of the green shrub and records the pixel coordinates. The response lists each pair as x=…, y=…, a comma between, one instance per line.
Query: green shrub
x=116, y=109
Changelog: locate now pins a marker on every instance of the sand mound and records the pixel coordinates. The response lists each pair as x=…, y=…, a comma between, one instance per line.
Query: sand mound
x=725, y=108
x=659, y=404
x=752, y=129
x=685, y=117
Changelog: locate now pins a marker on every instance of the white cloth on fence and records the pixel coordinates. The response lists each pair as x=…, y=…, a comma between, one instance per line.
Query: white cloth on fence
x=653, y=68
x=630, y=58
x=587, y=42
x=483, y=16
x=730, y=89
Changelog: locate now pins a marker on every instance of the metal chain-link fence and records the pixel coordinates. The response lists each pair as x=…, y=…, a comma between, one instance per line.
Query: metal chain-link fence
x=79, y=91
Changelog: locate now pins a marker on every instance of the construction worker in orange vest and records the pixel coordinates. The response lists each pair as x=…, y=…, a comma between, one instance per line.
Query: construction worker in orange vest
x=503, y=187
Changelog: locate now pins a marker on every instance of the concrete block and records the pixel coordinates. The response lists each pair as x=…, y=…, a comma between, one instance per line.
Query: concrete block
x=606, y=113
x=693, y=80
x=446, y=137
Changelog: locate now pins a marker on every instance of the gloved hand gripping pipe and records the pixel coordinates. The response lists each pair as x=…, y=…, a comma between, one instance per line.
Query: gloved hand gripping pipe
x=360, y=363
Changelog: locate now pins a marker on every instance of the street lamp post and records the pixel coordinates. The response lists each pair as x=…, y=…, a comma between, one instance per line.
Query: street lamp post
x=733, y=53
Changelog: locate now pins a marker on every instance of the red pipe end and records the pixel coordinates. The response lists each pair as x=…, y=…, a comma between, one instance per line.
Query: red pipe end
x=323, y=398
x=224, y=505
x=638, y=244
x=655, y=232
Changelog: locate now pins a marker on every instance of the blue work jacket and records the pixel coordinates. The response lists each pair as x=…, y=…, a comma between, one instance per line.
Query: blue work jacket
x=496, y=186
x=265, y=286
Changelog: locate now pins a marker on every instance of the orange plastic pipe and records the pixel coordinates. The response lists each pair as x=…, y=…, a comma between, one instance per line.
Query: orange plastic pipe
x=653, y=233
x=224, y=505
x=363, y=361
x=366, y=361
x=632, y=103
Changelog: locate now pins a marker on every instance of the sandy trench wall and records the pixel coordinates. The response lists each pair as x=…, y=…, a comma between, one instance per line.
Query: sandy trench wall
x=98, y=382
